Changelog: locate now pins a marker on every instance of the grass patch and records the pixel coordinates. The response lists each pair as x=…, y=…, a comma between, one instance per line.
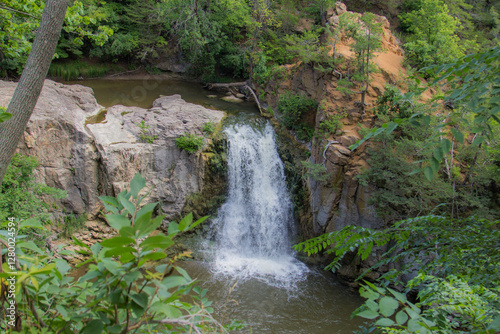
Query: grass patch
x=79, y=69
x=73, y=223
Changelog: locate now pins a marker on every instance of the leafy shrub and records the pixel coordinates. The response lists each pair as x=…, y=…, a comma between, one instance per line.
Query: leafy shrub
x=315, y=171
x=331, y=124
x=457, y=263
x=208, y=128
x=123, y=289
x=305, y=132
x=264, y=72
x=190, y=143
x=20, y=196
x=73, y=223
x=292, y=107
x=391, y=102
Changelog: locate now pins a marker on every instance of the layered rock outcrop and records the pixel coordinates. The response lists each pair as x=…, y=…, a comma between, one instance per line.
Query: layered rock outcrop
x=90, y=152
x=340, y=200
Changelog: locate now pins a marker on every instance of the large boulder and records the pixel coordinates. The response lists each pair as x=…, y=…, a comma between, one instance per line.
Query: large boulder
x=89, y=151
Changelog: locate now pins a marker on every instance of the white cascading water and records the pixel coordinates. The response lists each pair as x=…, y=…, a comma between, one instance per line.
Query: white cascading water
x=255, y=225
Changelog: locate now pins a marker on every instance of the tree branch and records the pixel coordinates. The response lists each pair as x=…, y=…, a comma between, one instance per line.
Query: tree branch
x=18, y=11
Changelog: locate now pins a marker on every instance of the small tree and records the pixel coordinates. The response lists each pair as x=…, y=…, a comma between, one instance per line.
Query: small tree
x=367, y=40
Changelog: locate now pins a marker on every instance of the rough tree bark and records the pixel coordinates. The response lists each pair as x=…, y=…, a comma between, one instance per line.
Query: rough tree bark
x=30, y=85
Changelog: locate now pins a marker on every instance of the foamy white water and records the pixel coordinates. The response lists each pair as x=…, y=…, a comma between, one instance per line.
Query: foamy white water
x=255, y=225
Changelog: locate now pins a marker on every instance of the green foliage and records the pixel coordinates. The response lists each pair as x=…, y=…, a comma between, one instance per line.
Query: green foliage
x=433, y=38
x=20, y=196
x=144, y=133
x=293, y=107
x=434, y=244
x=331, y=124
x=123, y=288
x=4, y=115
x=263, y=72
x=448, y=305
x=367, y=35
x=19, y=20
x=393, y=103
x=315, y=171
x=190, y=143
x=307, y=47
x=457, y=263
x=209, y=128
x=72, y=223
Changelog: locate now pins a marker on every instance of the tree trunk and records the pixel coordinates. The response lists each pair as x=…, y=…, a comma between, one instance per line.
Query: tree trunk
x=30, y=85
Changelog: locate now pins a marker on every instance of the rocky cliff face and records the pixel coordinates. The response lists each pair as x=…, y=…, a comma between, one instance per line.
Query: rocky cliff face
x=340, y=200
x=90, y=152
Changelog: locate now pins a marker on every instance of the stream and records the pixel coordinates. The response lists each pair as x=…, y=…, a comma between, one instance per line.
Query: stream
x=249, y=267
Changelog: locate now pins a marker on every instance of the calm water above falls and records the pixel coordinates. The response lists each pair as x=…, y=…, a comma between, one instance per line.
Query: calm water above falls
x=250, y=271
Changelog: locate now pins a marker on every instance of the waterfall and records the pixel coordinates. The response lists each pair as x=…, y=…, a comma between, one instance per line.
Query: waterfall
x=255, y=225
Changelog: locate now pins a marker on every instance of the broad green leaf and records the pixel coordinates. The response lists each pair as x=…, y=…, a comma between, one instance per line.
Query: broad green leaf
x=151, y=257
x=96, y=248
x=142, y=223
x=5, y=116
x=401, y=317
x=153, y=225
x=140, y=299
x=368, y=293
x=445, y=145
x=414, y=326
x=119, y=251
x=458, y=135
x=48, y=268
x=35, y=283
x=117, y=221
x=372, y=305
x=126, y=204
x=93, y=327
x=438, y=154
x=388, y=306
x=184, y=273
x=127, y=231
x=367, y=314
x=173, y=228
x=435, y=164
x=137, y=183
x=185, y=222
x=148, y=208
x=110, y=200
x=384, y=322
x=173, y=281
x=115, y=329
x=478, y=140
x=117, y=242
x=31, y=246
x=399, y=296
x=157, y=241
x=90, y=275
x=429, y=174
x=198, y=222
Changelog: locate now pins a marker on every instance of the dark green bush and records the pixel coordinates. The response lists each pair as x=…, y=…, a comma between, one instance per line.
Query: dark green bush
x=293, y=107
